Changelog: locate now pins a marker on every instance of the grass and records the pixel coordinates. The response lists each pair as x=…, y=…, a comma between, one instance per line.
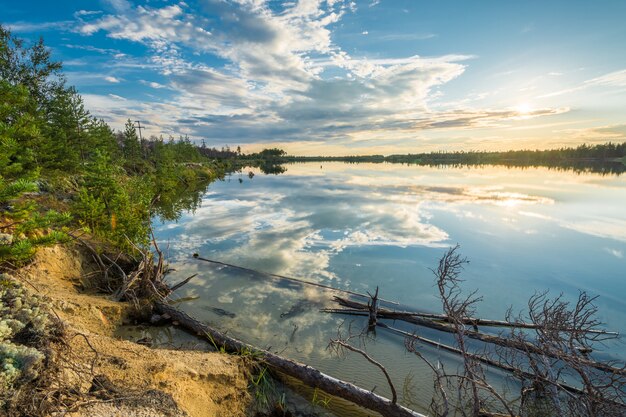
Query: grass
x=320, y=399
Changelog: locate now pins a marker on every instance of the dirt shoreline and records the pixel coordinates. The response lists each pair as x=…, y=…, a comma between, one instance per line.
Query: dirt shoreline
x=150, y=382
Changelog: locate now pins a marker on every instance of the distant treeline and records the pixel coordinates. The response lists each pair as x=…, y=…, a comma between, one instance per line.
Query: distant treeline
x=609, y=158
x=608, y=152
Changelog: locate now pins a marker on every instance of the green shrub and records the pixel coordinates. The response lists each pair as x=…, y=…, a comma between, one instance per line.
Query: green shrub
x=33, y=229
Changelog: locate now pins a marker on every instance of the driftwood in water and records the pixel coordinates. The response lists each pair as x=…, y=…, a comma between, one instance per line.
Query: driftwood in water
x=496, y=364
x=308, y=375
x=283, y=277
x=472, y=321
x=183, y=282
x=479, y=358
x=475, y=322
x=496, y=340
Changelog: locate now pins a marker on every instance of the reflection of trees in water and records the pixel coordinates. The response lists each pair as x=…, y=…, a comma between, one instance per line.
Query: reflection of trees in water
x=272, y=168
x=576, y=167
x=604, y=159
x=172, y=203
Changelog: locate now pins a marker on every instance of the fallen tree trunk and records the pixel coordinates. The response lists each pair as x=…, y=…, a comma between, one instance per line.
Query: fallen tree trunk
x=304, y=373
x=300, y=281
x=521, y=374
x=472, y=321
x=496, y=340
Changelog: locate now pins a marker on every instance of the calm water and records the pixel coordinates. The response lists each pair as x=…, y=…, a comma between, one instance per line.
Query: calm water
x=358, y=226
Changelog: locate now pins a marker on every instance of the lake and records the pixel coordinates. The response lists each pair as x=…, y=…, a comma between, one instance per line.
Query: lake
x=358, y=226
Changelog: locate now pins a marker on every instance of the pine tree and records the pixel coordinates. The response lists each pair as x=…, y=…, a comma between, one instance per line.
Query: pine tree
x=131, y=147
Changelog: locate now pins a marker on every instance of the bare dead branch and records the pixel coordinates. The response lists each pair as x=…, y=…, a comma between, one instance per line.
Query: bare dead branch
x=345, y=345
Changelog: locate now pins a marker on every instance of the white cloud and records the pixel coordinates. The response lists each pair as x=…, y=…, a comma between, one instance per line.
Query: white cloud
x=275, y=83
x=153, y=84
x=91, y=48
x=38, y=27
x=615, y=252
x=87, y=13
x=612, y=79
x=599, y=134
x=480, y=118
x=275, y=63
x=605, y=228
x=407, y=36
x=112, y=79
x=119, y=6
x=116, y=97
x=616, y=79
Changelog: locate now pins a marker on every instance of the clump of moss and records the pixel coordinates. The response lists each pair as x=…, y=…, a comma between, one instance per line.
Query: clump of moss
x=24, y=330
x=19, y=364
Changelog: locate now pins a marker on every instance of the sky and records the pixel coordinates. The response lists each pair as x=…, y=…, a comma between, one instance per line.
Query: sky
x=342, y=77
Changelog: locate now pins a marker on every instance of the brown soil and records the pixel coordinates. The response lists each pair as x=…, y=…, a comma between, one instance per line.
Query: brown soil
x=150, y=382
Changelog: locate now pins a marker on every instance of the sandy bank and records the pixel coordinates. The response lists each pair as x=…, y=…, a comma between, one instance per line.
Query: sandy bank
x=151, y=382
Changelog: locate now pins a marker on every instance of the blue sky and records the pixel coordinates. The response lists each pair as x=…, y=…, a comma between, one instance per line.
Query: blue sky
x=344, y=77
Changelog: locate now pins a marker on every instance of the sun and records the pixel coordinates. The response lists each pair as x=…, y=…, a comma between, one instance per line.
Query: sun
x=523, y=108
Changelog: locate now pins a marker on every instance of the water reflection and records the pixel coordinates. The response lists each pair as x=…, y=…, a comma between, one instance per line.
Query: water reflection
x=359, y=226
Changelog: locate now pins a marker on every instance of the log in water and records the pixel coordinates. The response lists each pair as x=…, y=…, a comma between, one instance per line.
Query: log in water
x=304, y=373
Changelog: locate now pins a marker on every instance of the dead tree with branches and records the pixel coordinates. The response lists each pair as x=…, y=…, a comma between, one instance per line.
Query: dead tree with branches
x=471, y=381
x=566, y=357
x=550, y=355
x=342, y=343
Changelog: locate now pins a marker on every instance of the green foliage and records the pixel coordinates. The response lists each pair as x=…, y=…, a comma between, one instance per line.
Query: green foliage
x=18, y=133
x=12, y=190
x=264, y=389
x=320, y=399
x=30, y=67
x=100, y=138
x=17, y=253
x=42, y=121
x=132, y=148
x=113, y=183
x=34, y=230
x=67, y=122
x=272, y=153
x=112, y=204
